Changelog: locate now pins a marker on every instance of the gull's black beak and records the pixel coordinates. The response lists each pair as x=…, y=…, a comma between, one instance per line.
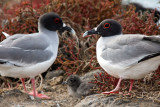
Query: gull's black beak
x=90, y=32
x=66, y=28
x=64, y=82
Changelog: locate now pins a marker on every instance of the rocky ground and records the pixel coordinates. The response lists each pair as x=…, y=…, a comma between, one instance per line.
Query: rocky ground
x=54, y=88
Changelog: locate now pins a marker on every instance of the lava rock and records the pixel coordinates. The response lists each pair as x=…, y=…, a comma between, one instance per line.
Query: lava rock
x=54, y=73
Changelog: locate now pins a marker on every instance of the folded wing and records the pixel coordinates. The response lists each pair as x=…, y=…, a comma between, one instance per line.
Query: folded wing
x=131, y=49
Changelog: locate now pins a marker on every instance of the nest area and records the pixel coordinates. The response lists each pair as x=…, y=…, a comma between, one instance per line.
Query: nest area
x=80, y=56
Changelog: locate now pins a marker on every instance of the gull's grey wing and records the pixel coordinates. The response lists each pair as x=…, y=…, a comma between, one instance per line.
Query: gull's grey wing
x=16, y=56
x=24, y=48
x=152, y=39
x=131, y=49
x=25, y=41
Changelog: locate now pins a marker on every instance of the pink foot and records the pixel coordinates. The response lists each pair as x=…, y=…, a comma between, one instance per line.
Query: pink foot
x=110, y=92
x=41, y=96
x=116, y=90
x=35, y=93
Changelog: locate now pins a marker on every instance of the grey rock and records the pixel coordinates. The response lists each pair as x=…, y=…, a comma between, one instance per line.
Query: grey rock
x=96, y=100
x=54, y=73
x=90, y=75
x=47, y=88
x=99, y=100
x=55, y=81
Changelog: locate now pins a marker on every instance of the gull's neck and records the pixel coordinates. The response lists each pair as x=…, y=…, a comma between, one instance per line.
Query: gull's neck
x=51, y=35
x=103, y=41
x=108, y=38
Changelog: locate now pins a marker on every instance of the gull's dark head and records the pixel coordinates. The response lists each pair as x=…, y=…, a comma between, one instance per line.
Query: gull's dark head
x=53, y=22
x=106, y=28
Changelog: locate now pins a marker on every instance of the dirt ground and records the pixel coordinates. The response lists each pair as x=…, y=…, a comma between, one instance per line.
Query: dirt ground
x=59, y=98
x=17, y=98
x=142, y=94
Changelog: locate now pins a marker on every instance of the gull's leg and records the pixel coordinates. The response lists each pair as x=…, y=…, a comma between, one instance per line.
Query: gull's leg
x=9, y=86
x=35, y=93
x=23, y=82
x=131, y=85
x=116, y=90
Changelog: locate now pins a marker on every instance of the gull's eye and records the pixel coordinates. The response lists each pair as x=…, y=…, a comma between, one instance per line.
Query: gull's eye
x=106, y=25
x=56, y=20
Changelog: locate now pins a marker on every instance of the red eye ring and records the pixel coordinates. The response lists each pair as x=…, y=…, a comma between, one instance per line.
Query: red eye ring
x=56, y=20
x=106, y=25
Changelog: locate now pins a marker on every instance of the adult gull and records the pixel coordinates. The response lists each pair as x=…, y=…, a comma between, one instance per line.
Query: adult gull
x=28, y=55
x=128, y=56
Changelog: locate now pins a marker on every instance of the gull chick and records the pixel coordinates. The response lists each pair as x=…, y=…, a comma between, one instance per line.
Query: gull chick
x=77, y=87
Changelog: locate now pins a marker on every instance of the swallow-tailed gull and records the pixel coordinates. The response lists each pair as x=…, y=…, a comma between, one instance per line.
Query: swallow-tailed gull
x=27, y=55
x=128, y=56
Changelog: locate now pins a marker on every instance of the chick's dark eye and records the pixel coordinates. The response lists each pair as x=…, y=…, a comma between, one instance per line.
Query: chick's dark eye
x=56, y=20
x=71, y=80
x=106, y=25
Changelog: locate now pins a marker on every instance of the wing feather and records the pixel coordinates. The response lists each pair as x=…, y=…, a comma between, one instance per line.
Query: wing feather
x=131, y=49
